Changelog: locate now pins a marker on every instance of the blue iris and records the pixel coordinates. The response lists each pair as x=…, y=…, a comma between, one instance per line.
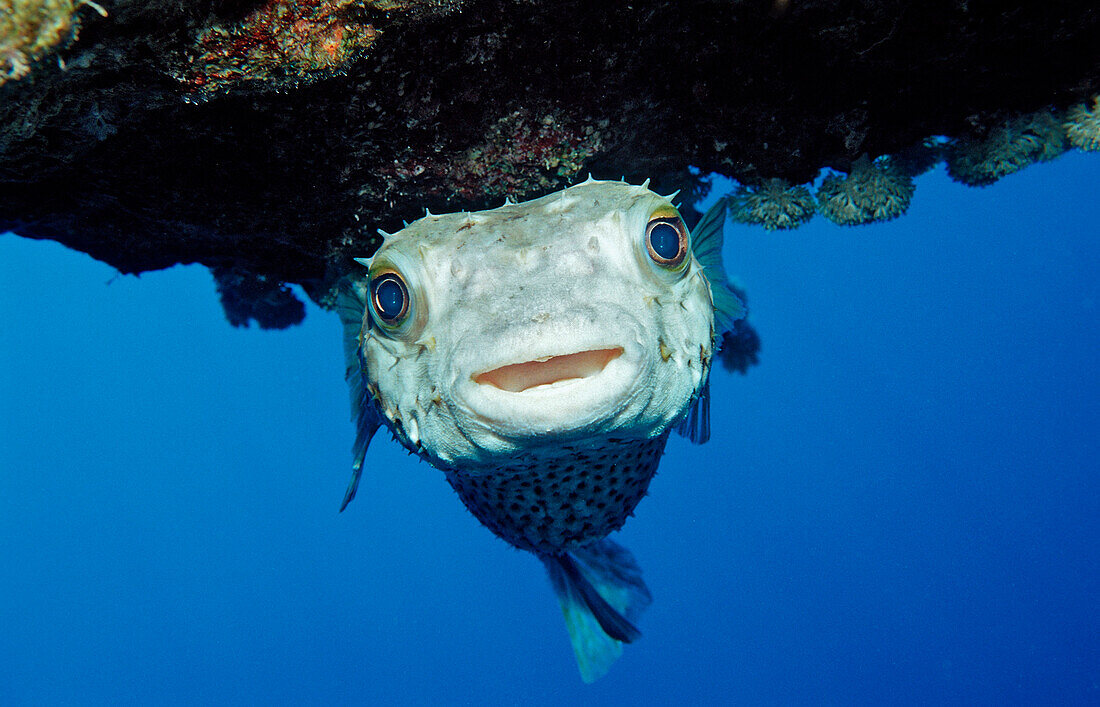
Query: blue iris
x=664, y=239
x=389, y=298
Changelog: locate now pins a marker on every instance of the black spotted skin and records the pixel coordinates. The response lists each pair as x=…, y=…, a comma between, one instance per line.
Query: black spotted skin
x=549, y=504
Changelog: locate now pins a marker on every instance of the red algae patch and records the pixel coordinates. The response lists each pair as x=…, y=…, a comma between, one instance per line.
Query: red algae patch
x=284, y=42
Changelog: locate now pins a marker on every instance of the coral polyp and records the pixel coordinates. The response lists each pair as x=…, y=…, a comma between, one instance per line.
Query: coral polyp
x=1015, y=144
x=1082, y=125
x=872, y=191
x=773, y=204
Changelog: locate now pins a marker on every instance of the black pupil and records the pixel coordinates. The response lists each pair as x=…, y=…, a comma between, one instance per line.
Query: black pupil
x=389, y=297
x=664, y=239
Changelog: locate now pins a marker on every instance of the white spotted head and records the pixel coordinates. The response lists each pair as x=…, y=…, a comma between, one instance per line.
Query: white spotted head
x=583, y=314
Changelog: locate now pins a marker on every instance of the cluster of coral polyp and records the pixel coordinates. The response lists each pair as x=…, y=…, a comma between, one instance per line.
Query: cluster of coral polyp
x=30, y=29
x=1082, y=124
x=282, y=42
x=774, y=204
x=872, y=191
x=877, y=190
x=1007, y=148
x=881, y=189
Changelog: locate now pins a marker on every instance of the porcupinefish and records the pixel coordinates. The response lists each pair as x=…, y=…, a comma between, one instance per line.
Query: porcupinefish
x=539, y=354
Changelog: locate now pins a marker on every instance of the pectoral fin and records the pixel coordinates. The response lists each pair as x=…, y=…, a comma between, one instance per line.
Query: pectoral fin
x=706, y=242
x=696, y=423
x=351, y=304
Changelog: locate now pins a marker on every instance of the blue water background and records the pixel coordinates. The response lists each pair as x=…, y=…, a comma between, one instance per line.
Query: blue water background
x=900, y=504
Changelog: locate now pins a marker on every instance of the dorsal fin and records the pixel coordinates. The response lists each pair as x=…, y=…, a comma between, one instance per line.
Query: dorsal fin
x=706, y=241
x=351, y=305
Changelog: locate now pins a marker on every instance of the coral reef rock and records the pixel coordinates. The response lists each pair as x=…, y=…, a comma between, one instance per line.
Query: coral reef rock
x=270, y=139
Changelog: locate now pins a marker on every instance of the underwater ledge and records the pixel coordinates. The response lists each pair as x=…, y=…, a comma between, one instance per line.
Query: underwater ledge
x=268, y=140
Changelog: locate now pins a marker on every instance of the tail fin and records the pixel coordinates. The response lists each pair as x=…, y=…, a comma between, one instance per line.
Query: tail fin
x=601, y=593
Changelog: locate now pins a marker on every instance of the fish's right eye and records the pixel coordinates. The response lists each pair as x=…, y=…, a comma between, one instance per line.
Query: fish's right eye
x=396, y=299
x=389, y=298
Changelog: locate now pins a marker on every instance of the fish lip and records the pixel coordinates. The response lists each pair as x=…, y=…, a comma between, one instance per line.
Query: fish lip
x=548, y=370
x=495, y=419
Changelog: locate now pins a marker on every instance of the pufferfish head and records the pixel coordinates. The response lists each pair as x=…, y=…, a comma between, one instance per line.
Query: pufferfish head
x=582, y=314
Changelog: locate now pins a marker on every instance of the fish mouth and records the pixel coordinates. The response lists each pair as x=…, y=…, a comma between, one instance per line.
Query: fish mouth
x=518, y=377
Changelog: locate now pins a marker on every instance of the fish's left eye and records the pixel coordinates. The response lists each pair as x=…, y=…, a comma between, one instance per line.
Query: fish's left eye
x=666, y=240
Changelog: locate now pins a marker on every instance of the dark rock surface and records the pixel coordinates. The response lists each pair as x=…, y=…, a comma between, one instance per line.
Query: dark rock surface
x=269, y=139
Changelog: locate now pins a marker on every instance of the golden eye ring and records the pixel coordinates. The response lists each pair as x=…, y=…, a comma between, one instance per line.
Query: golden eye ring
x=666, y=241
